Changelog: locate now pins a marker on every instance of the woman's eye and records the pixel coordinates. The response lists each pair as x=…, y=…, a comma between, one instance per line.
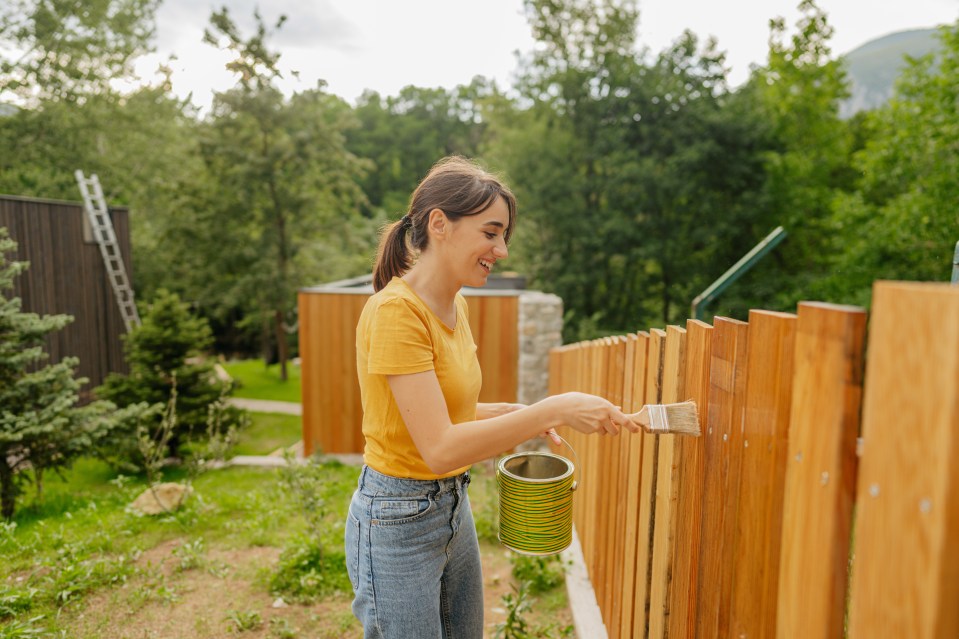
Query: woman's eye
x=490, y=236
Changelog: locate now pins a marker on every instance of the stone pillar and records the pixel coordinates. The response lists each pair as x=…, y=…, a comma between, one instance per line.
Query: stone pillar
x=540, y=329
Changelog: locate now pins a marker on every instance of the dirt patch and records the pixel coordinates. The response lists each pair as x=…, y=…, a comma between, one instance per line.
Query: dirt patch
x=184, y=590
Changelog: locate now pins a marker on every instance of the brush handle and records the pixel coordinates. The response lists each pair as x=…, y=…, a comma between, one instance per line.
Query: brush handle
x=642, y=417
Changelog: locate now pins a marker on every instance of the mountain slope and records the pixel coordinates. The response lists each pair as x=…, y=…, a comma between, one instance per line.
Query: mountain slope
x=874, y=67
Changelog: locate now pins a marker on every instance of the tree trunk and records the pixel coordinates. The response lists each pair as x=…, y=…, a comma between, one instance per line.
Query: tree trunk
x=8, y=489
x=38, y=480
x=281, y=344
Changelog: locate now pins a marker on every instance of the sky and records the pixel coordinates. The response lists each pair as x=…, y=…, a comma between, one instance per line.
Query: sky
x=385, y=45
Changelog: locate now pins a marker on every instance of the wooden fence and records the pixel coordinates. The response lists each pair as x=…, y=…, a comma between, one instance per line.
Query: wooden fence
x=332, y=413
x=67, y=275
x=747, y=531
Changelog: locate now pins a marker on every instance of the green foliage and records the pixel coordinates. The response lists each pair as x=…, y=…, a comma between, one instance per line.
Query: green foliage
x=897, y=224
x=313, y=565
x=540, y=574
x=307, y=571
x=244, y=620
x=61, y=49
x=404, y=135
x=41, y=427
x=165, y=358
x=516, y=626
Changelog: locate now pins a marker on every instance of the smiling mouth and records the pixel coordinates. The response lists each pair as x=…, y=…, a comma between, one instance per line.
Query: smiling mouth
x=487, y=265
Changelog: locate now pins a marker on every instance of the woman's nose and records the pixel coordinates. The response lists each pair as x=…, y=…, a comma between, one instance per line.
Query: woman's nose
x=500, y=251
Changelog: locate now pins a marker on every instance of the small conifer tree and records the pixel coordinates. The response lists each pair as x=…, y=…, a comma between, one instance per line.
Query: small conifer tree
x=41, y=426
x=165, y=353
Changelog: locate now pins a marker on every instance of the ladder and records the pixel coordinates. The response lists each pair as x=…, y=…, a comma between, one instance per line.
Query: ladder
x=102, y=226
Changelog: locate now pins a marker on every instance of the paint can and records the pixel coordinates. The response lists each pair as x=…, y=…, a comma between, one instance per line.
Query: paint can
x=536, y=502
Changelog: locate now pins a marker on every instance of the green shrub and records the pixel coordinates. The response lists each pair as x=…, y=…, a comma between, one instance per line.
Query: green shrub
x=542, y=574
x=307, y=572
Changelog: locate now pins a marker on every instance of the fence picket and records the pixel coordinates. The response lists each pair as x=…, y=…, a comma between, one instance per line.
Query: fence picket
x=765, y=431
x=820, y=471
x=723, y=437
x=667, y=485
x=905, y=576
x=690, y=455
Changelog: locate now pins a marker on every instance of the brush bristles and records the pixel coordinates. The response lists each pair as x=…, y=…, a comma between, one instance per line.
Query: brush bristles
x=680, y=419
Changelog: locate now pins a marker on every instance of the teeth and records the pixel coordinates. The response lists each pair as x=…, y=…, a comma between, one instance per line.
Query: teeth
x=487, y=265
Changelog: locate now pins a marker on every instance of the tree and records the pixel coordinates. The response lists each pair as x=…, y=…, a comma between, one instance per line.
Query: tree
x=405, y=135
x=276, y=195
x=902, y=221
x=41, y=427
x=634, y=175
x=165, y=354
x=68, y=50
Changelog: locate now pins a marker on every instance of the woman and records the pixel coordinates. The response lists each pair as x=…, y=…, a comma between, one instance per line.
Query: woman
x=411, y=546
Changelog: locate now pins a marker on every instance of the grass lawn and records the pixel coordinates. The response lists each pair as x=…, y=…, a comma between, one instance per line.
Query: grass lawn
x=83, y=565
x=267, y=433
x=257, y=381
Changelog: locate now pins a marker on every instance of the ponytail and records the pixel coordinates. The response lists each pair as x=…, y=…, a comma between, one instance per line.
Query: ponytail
x=393, y=255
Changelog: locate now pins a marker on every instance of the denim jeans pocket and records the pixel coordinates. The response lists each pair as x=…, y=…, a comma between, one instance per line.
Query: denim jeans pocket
x=399, y=510
x=352, y=544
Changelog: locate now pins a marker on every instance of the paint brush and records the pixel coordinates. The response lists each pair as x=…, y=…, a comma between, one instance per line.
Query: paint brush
x=666, y=419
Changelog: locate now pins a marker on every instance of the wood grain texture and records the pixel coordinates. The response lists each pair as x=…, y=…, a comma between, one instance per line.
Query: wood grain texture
x=67, y=276
x=690, y=455
x=765, y=437
x=667, y=485
x=647, y=487
x=723, y=442
x=615, y=489
x=905, y=575
x=615, y=626
x=820, y=471
x=632, y=479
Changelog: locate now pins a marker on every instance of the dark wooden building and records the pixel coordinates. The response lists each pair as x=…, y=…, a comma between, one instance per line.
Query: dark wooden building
x=67, y=275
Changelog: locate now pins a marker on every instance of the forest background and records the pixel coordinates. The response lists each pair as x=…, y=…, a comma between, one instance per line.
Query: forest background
x=641, y=177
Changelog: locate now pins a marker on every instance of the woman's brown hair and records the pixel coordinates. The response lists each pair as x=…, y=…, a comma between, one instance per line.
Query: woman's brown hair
x=455, y=185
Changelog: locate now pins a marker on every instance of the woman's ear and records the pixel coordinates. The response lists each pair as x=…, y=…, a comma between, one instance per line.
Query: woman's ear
x=437, y=224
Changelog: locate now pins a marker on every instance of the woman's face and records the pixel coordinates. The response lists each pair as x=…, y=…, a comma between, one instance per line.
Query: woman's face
x=477, y=242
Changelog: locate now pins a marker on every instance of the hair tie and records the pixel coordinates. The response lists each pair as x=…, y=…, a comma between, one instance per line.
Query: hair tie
x=406, y=221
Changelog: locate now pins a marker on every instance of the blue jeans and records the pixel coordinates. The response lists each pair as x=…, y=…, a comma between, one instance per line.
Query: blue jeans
x=413, y=558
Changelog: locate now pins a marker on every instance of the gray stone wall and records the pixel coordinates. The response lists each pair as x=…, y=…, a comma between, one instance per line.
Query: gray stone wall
x=540, y=329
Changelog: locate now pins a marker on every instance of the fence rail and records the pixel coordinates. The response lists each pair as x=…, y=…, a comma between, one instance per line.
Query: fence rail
x=748, y=530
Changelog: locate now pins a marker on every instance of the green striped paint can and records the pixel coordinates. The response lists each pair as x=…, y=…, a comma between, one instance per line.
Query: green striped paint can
x=535, y=502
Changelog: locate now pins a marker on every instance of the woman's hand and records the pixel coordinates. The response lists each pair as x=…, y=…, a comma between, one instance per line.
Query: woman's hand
x=590, y=413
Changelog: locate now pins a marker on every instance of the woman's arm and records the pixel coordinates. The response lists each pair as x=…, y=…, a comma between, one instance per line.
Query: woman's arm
x=446, y=447
x=485, y=411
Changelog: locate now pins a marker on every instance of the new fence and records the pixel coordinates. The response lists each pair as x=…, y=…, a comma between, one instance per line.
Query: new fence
x=789, y=517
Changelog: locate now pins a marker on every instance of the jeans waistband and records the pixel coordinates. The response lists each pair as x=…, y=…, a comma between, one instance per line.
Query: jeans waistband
x=376, y=482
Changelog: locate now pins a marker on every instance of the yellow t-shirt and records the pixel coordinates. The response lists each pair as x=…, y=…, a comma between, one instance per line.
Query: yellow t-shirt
x=398, y=334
